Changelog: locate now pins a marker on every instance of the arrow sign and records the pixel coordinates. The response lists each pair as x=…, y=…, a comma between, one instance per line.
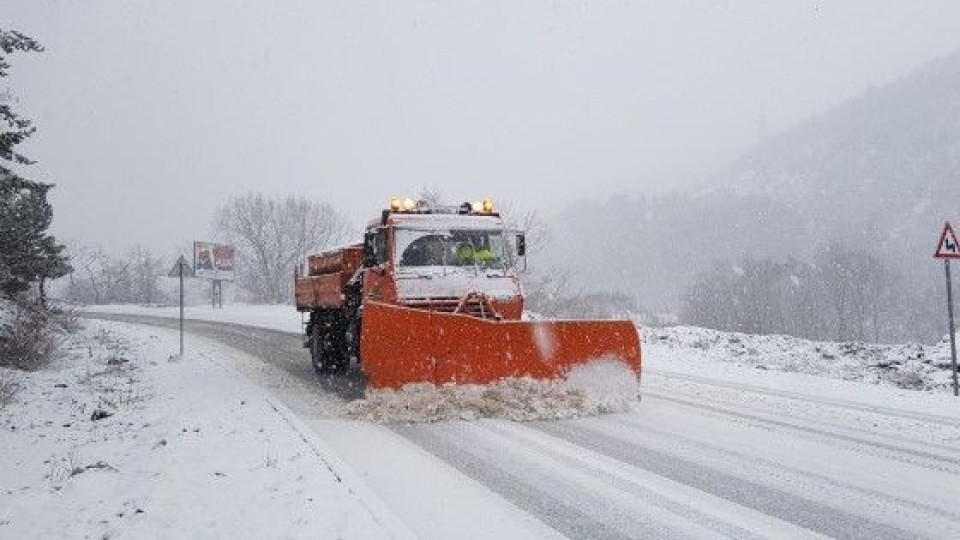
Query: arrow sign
x=948, y=247
x=181, y=263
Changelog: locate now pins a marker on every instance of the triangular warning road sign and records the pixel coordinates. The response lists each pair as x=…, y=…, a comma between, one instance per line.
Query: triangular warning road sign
x=948, y=247
x=181, y=264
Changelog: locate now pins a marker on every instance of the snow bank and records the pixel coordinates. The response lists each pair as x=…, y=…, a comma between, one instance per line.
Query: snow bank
x=116, y=440
x=907, y=366
x=602, y=386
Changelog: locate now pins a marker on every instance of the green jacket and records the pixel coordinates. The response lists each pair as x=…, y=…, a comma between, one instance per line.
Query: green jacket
x=468, y=254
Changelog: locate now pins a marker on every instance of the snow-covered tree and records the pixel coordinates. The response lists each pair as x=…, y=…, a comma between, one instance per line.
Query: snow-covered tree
x=274, y=235
x=101, y=278
x=28, y=253
x=13, y=129
x=844, y=295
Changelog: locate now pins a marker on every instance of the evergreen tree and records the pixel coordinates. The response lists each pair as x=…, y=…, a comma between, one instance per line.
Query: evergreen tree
x=28, y=254
x=13, y=129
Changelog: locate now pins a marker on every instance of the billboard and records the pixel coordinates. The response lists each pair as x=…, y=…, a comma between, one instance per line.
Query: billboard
x=214, y=261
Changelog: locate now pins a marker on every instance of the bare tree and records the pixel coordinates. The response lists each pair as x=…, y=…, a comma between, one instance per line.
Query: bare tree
x=711, y=299
x=144, y=270
x=549, y=292
x=431, y=193
x=846, y=295
x=275, y=235
x=529, y=222
x=101, y=278
x=89, y=282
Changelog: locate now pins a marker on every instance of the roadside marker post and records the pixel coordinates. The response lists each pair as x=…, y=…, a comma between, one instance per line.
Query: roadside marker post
x=948, y=249
x=181, y=269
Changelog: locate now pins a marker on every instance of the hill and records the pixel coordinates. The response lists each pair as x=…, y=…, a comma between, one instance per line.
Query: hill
x=878, y=174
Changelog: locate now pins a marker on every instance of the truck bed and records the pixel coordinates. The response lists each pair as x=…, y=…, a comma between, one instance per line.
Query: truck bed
x=328, y=273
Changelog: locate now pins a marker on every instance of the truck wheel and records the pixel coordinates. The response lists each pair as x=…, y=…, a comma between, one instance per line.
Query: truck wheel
x=325, y=355
x=339, y=365
x=316, y=349
x=352, y=345
x=335, y=353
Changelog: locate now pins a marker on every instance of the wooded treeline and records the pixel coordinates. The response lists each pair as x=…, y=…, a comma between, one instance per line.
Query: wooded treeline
x=843, y=294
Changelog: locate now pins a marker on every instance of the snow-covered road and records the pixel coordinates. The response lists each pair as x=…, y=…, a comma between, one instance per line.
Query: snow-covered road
x=701, y=457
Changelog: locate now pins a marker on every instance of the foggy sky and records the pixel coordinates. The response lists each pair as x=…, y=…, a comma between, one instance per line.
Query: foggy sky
x=149, y=114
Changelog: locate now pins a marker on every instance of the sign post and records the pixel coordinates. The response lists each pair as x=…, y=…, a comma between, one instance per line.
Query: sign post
x=181, y=269
x=946, y=250
x=217, y=293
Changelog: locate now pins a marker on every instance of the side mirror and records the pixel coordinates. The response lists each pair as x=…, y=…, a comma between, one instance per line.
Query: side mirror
x=369, y=251
x=521, y=245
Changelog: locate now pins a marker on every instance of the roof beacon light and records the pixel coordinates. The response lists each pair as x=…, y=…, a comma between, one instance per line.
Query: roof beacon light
x=488, y=206
x=477, y=206
x=408, y=204
x=395, y=204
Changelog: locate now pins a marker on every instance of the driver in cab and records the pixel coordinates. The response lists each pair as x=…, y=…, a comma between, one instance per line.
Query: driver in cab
x=467, y=253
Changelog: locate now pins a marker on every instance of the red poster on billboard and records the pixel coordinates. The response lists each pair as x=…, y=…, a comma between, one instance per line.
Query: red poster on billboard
x=214, y=261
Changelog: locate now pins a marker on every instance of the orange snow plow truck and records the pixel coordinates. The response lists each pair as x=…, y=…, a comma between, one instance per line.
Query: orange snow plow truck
x=433, y=295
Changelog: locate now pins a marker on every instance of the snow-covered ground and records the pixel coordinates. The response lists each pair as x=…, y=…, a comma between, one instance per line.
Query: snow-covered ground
x=717, y=448
x=908, y=366
x=118, y=438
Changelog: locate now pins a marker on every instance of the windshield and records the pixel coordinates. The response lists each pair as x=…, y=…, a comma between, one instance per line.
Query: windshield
x=471, y=248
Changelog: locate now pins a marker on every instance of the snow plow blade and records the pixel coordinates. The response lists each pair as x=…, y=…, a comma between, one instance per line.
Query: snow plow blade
x=402, y=345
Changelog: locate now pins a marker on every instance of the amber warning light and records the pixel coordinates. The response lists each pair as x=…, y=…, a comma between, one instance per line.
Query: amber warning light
x=396, y=204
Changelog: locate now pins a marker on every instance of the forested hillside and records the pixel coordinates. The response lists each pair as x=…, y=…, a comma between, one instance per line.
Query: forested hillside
x=842, y=210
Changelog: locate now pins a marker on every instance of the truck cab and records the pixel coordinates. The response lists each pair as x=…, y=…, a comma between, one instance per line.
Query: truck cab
x=451, y=261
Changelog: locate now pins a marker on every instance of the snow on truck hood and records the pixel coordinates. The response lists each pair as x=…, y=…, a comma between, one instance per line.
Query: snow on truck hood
x=452, y=282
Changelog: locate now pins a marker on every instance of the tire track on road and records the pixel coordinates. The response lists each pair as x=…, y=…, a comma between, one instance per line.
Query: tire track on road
x=785, y=506
x=571, y=499
x=633, y=426
x=693, y=399
x=691, y=506
x=823, y=433
x=833, y=402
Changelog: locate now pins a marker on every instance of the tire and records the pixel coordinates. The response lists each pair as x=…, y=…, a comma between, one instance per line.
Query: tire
x=353, y=340
x=337, y=359
x=316, y=349
x=327, y=350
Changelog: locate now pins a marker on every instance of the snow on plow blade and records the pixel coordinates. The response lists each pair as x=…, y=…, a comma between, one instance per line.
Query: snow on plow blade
x=402, y=345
